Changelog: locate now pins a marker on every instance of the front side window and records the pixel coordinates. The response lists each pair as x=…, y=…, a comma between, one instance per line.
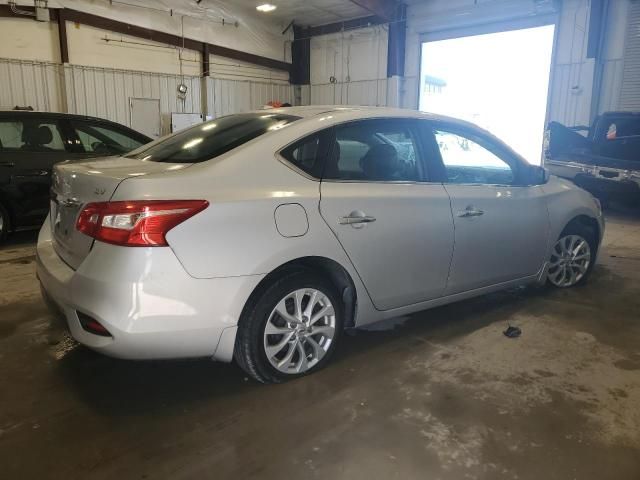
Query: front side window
x=466, y=161
x=374, y=150
x=211, y=139
x=105, y=140
x=30, y=135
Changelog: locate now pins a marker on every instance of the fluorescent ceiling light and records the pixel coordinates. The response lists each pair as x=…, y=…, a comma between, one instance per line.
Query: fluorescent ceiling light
x=266, y=7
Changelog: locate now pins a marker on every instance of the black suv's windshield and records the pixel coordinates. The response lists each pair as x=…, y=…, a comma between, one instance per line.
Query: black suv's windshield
x=211, y=139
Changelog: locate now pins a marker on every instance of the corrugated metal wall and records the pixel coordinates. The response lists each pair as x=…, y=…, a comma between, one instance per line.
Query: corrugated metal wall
x=349, y=68
x=363, y=92
x=611, y=85
x=630, y=93
x=226, y=96
x=35, y=84
x=105, y=92
x=570, y=92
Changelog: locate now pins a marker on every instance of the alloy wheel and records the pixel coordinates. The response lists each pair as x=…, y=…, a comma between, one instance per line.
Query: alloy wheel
x=570, y=260
x=299, y=331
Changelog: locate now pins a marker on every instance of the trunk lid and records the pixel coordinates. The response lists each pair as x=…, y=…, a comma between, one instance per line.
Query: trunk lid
x=74, y=184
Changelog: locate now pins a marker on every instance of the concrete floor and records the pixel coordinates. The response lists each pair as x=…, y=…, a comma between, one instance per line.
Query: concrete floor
x=440, y=395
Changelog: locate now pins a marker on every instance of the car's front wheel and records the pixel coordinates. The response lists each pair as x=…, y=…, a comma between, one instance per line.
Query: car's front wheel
x=572, y=257
x=291, y=329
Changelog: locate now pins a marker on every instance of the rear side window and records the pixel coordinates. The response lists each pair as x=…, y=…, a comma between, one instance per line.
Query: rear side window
x=211, y=139
x=310, y=153
x=104, y=139
x=376, y=151
x=30, y=135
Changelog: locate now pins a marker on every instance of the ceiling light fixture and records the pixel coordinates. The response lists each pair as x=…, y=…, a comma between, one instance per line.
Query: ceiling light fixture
x=266, y=8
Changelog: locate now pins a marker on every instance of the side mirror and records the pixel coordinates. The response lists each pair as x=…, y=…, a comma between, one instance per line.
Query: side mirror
x=539, y=175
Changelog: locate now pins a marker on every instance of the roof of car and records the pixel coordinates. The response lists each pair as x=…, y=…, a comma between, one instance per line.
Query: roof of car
x=360, y=112
x=27, y=113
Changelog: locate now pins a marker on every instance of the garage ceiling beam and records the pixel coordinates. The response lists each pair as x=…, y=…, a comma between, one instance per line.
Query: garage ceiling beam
x=384, y=9
x=341, y=26
x=5, y=11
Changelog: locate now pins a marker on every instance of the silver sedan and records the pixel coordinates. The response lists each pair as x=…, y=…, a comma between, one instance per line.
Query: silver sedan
x=261, y=236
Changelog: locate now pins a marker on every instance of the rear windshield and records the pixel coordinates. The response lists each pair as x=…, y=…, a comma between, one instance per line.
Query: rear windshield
x=211, y=139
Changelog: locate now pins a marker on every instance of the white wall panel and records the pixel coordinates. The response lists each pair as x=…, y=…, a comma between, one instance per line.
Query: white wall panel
x=225, y=96
x=87, y=46
x=35, y=84
x=357, y=60
x=570, y=95
x=25, y=39
x=105, y=93
x=364, y=92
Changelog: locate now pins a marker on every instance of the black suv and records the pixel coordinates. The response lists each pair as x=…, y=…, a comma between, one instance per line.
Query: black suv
x=32, y=142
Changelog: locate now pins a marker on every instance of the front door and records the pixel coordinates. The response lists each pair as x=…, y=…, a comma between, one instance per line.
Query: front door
x=396, y=229
x=501, y=225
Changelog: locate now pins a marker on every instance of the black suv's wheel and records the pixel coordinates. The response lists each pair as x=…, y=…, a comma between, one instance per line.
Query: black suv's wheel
x=572, y=257
x=291, y=329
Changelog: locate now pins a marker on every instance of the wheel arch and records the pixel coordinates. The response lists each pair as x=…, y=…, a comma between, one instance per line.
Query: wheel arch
x=586, y=221
x=326, y=267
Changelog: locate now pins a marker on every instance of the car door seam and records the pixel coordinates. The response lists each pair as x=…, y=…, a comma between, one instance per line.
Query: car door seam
x=335, y=235
x=453, y=246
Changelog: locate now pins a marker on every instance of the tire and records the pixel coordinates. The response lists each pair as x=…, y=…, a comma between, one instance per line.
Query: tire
x=572, y=263
x=5, y=223
x=288, y=339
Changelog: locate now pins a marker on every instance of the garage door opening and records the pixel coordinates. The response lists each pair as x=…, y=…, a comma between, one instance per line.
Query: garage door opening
x=499, y=81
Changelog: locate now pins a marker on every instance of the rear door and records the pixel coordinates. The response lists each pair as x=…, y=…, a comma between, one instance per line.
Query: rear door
x=501, y=225
x=30, y=144
x=395, y=227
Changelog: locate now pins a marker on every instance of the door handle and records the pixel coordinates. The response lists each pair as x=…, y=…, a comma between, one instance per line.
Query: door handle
x=7, y=164
x=356, y=217
x=470, y=212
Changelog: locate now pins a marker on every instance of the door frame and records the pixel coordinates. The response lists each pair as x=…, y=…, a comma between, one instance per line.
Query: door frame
x=521, y=23
x=131, y=100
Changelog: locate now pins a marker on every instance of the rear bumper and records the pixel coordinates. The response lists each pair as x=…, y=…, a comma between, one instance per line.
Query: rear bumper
x=146, y=300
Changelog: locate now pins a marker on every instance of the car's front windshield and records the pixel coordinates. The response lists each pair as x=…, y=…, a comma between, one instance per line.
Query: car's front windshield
x=211, y=139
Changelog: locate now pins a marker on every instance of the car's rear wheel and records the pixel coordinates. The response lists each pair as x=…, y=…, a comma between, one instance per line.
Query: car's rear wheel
x=4, y=223
x=291, y=329
x=572, y=257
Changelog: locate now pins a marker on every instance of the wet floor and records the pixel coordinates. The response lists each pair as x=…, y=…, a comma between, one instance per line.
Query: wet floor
x=439, y=395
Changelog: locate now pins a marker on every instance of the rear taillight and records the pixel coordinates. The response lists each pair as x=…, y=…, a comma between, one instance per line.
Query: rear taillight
x=139, y=223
